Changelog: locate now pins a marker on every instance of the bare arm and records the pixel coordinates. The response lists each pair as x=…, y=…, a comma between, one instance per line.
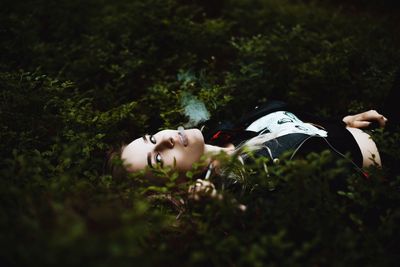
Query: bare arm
x=364, y=119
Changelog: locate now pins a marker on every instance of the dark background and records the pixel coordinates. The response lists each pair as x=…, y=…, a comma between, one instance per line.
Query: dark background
x=80, y=77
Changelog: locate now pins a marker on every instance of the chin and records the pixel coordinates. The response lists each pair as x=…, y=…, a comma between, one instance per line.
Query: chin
x=195, y=135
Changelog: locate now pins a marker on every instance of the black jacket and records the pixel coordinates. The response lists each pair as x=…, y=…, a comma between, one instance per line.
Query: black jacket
x=339, y=139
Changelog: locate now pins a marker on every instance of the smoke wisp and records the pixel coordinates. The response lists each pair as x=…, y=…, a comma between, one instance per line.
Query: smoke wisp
x=194, y=110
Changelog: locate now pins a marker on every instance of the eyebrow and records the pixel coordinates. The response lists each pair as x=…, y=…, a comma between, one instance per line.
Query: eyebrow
x=149, y=160
x=148, y=154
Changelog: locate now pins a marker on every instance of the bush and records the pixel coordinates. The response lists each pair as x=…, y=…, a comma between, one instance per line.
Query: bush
x=79, y=78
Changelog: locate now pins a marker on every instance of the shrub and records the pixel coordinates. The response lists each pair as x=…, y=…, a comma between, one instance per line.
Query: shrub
x=78, y=78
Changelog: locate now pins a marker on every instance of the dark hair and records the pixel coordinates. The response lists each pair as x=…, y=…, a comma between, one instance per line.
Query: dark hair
x=114, y=164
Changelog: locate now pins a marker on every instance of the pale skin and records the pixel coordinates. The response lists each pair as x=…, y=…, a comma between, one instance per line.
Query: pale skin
x=368, y=147
x=181, y=150
x=169, y=148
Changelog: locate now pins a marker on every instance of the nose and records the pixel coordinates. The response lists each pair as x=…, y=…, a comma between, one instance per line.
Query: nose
x=167, y=142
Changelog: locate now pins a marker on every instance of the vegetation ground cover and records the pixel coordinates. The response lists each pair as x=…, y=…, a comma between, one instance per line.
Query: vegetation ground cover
x=79, y=77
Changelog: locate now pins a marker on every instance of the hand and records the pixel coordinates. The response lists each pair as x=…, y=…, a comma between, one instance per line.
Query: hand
x=364, y=119
x=203, y=188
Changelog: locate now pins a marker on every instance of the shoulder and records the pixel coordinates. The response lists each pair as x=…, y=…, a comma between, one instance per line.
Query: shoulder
x=231, y=131
x=260, y=111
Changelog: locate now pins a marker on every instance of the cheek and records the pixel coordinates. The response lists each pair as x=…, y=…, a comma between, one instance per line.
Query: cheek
x=184, y=161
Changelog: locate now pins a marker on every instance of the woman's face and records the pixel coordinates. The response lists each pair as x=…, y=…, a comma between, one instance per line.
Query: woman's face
x=165, y=148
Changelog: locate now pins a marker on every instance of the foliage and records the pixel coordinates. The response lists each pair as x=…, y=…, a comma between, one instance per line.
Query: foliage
x=80, y=77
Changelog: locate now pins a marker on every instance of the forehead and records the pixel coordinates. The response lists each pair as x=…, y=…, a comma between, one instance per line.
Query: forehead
x=135, y=154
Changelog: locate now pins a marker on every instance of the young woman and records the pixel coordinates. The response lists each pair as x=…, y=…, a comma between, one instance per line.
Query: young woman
x=269, y=135
x=268, y=131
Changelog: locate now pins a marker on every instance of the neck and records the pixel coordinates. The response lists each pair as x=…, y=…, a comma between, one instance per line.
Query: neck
x=214, y=150
x=211, y=151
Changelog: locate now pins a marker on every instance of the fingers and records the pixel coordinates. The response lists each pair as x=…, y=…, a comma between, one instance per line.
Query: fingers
x=363, y=120
x=360, y=124
x=205, y=188
x=348, y=119
x=373, y=115
x=202, y=188
x=382, y=121
x=369, y=115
